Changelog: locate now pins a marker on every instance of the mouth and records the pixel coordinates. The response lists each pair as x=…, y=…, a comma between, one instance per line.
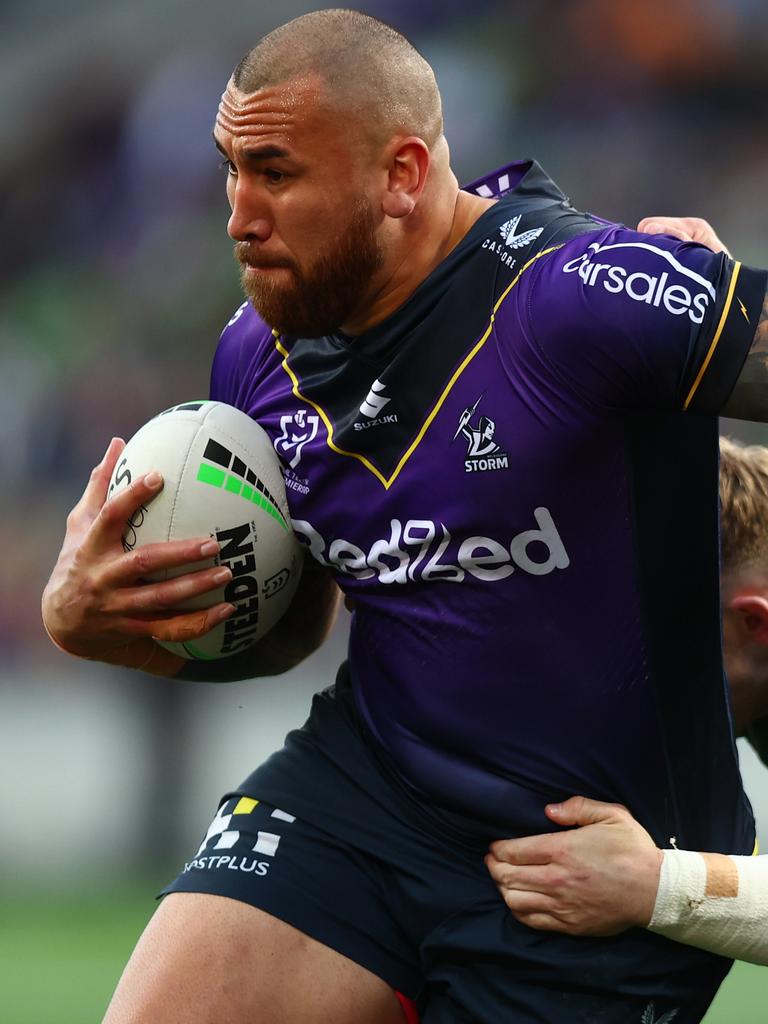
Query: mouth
x=262, y=268
x=253, y=263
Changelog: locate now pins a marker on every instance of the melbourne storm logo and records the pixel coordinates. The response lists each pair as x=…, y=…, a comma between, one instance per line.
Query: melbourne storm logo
x=483, y=453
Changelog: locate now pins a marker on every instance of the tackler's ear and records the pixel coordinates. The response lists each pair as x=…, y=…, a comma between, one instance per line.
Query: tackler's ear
x=408, y=163
x=752, y=612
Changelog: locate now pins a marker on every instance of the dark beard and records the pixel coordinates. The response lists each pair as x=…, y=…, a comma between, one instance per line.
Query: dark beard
x=321, y=300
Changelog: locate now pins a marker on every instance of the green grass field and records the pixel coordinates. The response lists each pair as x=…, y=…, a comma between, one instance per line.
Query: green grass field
x=61, y=956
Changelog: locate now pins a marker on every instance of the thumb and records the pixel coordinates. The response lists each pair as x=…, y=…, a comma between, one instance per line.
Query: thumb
x=580, y=810
x=655, y=227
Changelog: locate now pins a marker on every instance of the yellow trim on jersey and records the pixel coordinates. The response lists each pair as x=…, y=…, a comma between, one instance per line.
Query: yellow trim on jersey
x=328, y=425
x=718, y=332
x=387, y=482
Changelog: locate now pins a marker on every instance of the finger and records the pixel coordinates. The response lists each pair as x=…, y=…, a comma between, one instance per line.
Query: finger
x=192, y=625
x=92, y=497
x=114, y=514
x=178, y=628
x=673, y=226
x=543, y=922
x=96, y=489
x=657, y=223
x=529, y=850
x=528, y=878
x=702, y=232
x=652, y=225
x=168, y=595
x=148, y=559
x=525, y=903
x=580, y=810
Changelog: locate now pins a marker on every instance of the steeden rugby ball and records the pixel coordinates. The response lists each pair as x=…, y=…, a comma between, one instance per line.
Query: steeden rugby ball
x=222, y=478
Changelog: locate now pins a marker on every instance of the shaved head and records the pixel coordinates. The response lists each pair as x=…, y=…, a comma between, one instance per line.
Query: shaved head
x=370, y=72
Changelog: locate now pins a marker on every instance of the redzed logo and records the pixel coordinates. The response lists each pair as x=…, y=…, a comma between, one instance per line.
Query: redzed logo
x=424, y=549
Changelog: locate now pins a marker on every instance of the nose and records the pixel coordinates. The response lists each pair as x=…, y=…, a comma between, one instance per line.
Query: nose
x=249, y=220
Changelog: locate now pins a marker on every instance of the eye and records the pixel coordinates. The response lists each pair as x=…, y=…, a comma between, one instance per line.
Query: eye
x=229, y=167
x=274, y=177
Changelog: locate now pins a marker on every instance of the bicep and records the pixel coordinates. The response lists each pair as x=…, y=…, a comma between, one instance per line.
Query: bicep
x=630, y=323
x=749, y=398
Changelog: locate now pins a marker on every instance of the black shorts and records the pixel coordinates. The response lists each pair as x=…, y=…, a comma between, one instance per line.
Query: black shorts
x=324, y=837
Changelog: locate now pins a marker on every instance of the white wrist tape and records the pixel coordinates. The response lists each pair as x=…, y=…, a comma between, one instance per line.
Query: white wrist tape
x=714, y=901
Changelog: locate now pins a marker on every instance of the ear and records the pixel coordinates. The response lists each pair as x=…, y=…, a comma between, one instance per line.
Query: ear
x=752, y=612
x=408, y=163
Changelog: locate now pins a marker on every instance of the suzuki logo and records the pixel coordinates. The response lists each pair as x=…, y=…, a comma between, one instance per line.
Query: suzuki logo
x=374, y=400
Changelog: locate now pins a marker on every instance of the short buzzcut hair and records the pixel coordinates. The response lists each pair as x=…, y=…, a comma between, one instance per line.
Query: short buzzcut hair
x=369, y=69
x=743, y=506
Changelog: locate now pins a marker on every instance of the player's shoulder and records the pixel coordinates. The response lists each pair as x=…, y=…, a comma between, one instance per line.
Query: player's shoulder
x=245, y=345
x=610, y=245
x=244, y=332
x=658, y=271
x=246, y=339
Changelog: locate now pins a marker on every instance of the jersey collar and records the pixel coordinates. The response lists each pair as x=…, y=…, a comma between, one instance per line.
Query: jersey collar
x=523, y=177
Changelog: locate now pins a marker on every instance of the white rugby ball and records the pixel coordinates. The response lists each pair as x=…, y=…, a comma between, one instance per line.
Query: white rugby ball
x=222, y=478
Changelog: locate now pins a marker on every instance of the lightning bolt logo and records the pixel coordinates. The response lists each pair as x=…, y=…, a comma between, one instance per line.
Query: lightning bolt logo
x=465, y=417
x=743, y=308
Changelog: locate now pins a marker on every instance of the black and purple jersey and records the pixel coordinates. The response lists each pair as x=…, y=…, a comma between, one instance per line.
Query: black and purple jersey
x=515, y=477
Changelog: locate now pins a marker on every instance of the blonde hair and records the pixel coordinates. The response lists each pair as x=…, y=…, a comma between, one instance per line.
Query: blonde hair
x=743, y=504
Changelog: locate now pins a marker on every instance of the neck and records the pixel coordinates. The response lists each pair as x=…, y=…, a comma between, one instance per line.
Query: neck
x=422, y=241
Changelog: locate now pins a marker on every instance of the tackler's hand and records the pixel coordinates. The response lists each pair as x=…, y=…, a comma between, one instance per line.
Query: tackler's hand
x=594, y=880
x=687, y=229
x=97, y=604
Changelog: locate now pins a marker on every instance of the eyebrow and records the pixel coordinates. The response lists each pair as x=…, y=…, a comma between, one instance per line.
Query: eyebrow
x=267, y=152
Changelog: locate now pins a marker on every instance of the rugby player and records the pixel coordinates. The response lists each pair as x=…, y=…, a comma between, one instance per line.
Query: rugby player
x=477, y=394
x=609, y=875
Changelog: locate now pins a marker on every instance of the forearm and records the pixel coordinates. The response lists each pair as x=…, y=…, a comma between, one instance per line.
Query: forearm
x=749, y=399
x=715, y=902
x=298, y=634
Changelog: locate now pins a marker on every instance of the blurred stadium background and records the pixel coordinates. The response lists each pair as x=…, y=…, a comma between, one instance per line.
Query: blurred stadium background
x=115, y=280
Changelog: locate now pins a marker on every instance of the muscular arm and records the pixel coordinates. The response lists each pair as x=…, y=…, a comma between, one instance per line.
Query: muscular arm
x=97, y=606
x=749, y=398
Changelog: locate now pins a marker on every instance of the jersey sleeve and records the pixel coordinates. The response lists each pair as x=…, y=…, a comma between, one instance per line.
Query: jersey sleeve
x=631, y=321
x=244, y=347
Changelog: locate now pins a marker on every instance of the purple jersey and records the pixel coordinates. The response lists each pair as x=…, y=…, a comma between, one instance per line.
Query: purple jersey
x=512, y=478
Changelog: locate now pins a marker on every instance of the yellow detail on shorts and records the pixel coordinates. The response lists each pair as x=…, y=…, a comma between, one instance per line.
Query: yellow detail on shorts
x=244, y=805
x=756, y=850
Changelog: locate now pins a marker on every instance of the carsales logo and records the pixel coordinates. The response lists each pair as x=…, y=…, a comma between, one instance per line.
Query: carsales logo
x=662, y=290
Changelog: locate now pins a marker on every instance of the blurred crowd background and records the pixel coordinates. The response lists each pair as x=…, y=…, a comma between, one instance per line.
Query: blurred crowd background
x=116, y=277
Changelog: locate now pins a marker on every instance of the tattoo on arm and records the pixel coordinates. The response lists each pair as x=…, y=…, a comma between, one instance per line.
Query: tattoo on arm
x=749, y=398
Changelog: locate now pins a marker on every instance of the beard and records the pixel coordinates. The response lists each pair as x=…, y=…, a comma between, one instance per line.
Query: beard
x=319, y=300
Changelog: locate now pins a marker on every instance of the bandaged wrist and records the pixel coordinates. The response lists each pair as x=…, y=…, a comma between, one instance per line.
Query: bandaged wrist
x=715, y=902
